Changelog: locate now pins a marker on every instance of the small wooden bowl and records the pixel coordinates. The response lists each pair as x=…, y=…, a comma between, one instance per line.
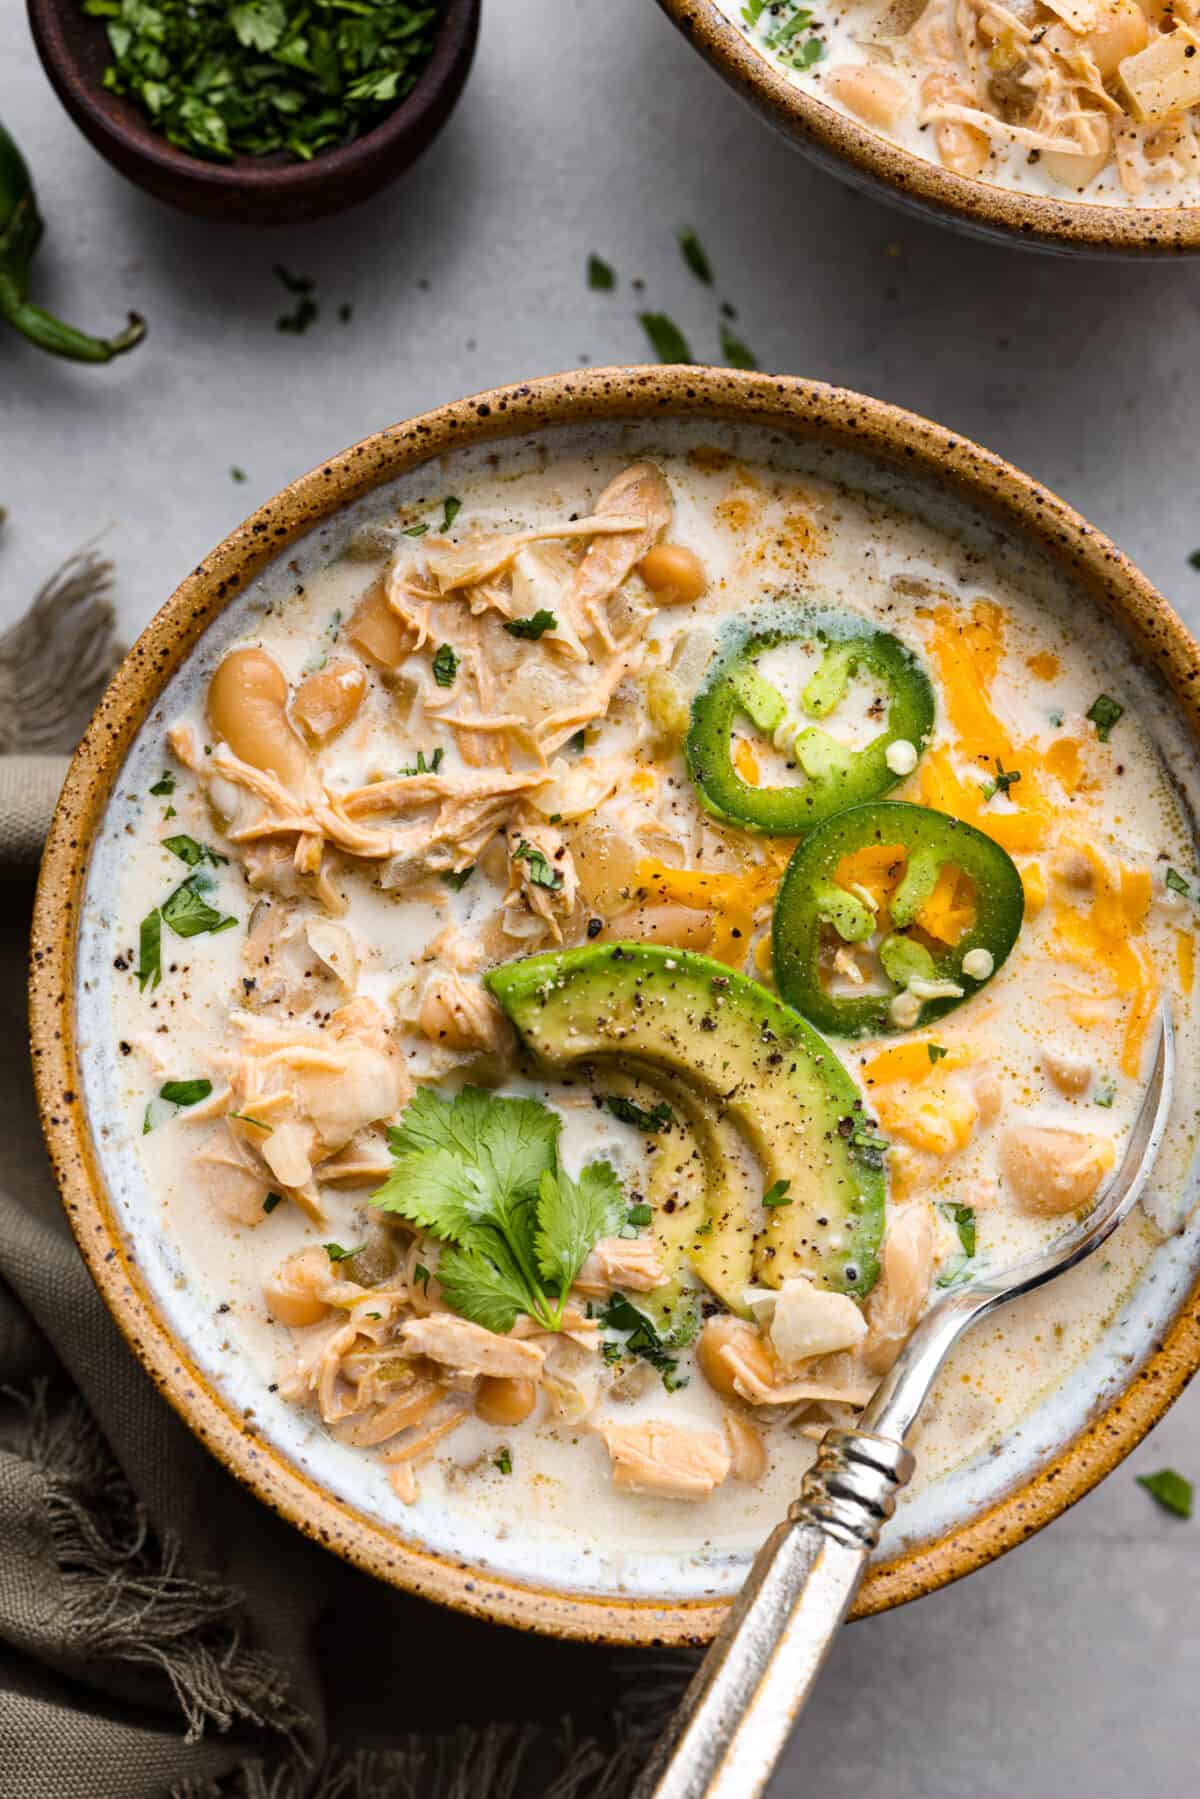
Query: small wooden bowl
x=254, y=190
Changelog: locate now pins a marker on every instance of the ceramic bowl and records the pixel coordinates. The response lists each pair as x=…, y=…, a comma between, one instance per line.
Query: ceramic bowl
x=865, y=159
x=1073, y=1436
x=252, y=190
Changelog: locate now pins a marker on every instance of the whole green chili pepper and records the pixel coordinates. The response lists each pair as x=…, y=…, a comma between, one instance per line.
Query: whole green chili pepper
x=20, y=233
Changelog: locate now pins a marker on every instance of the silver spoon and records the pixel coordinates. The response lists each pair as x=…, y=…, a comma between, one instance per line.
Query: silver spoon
x=737, y=1713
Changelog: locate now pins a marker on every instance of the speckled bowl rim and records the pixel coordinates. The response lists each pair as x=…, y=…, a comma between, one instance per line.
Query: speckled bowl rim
x=869, y=159
x=810, y=410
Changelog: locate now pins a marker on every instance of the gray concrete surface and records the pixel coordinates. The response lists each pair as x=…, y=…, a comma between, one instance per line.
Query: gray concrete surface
x=1072, y=1668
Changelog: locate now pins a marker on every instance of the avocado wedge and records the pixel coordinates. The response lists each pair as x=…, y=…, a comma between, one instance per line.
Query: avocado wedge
x=751, y=1063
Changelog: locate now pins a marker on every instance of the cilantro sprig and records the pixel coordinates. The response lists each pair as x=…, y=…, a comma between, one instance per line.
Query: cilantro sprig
x=265, y=76
x=482, y=1174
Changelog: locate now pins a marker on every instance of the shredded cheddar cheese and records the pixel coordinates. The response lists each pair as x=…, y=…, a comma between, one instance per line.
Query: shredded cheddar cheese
x=732, y=899
x=1106, y=938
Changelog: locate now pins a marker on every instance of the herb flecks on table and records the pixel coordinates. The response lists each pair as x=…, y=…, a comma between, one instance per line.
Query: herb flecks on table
x=266, y=77
x=670, y=345
x=21, y=232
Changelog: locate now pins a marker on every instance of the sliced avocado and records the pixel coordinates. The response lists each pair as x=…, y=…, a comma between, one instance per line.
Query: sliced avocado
x=721, y=1230
x=748, y=1054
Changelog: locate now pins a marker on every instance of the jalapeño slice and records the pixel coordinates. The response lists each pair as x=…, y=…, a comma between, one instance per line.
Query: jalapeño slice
x=832, y=775
x=935, y=904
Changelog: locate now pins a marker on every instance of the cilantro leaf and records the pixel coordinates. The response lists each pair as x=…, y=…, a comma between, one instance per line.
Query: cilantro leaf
x=936, y=1051
x=737, y=354
x=457, y=878
x=451, y=507
x=164, y=785
x=445, y=665
x=481, y=1173
x=572, y=1216
x=421, y=767
x=191, y=852
x=647, y=1341
x=541, y=871
x=189, y=914
x=532, y=628
x=487, y=1288
x=777, y=1194
x=656, y=1118
x=600, y=276
x=185, y=1093
x=694, y=254
x=667, y=340
x=1172, y=1491
x=149, y=968
x=1104, y=713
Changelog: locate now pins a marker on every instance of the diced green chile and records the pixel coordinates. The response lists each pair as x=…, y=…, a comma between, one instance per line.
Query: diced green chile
x=836, y=776
x=809, y=901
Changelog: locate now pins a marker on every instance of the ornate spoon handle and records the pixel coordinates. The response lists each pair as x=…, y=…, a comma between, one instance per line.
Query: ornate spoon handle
x=735, y=1717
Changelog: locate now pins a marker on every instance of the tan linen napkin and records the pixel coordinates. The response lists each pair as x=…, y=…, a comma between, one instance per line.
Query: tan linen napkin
x=161, y=1632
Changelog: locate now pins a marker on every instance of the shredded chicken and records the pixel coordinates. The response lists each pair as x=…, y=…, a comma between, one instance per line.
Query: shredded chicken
x=665, y=1460
x=632, y=1263
x=899, y=1297
x=457, y=1343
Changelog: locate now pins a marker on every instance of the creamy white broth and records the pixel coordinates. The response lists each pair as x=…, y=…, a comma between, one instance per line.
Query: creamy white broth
x=758, y=527
x=982, y=88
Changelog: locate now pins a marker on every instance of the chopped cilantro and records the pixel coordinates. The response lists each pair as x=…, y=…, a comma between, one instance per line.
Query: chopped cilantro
x=737, y=354
x=238, y=474
x=695, y=256
x=265, y=77
x=646, y=1340
x=164, y=785
x=147, y=1127
x=666, y=339
x=1177, y=884
x=305, y=312
x=936, y=1051
x=532, y=628
x=451, y=507
x=185, y=1093
x=1172, y=1491
x=541, y=872
x=445, y=666
x=149, y=968
x=421, y=767
x=963, y=1219
x=777, y=1194
x=271, y=1201
x=578, y=742
x=482, y=1173
x=191, y=852
x=336, y=1253
x=1105, y=1093
x=600, y=276
x=248, y=1118
x=1104, y=713
x=656, y=1119
x=457, y=878
x=639, y=1215
x=503, y=1461
x=421, y=1275
x=415, y=530
x=189, y=914
x=871, y=1149
x=1005, y=778
x=753, y=11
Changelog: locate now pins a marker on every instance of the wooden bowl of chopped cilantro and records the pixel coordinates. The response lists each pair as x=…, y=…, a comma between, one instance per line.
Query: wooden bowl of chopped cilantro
x=268, y=111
